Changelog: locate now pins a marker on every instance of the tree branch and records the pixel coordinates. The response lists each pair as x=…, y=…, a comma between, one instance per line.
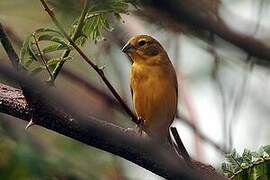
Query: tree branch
x=90, y=131
x=12, y=102
x=9, y=49
x=74, y=37
x=98, y=70
x=203, y=15
x=110, y=100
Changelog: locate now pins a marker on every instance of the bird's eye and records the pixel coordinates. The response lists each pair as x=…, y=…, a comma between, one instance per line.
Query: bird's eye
x=142, y=42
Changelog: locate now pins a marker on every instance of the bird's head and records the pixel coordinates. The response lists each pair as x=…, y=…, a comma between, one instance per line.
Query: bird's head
x=144, y=49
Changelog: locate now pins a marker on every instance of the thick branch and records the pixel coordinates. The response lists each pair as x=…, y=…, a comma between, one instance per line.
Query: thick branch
x=99, y=134
x=204, y=15
x=12, y=102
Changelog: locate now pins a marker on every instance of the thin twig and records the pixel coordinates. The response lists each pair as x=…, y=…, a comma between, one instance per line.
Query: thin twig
x=74, y=37
x=201, y=135
x=244, y=86
x=41, y=55
x=239, y=98
x=216, y=68
x=9, y=49
x=193, y=13
x=259, y=15
x=191, y=113
x=98, y=70
x=181, y=147
x=90, y=87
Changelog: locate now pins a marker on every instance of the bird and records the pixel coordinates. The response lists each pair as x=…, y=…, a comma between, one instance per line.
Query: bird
x=153, y=85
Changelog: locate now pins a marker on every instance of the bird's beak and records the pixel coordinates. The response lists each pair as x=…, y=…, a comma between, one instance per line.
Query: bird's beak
x=128, y=48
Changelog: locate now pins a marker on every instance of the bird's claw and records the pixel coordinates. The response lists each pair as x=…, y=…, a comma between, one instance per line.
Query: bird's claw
x=140, y=125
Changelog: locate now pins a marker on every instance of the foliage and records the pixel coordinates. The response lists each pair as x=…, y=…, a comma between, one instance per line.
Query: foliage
x=97, y=18
x=36, y=55
x=33, y=58
x=251, y=165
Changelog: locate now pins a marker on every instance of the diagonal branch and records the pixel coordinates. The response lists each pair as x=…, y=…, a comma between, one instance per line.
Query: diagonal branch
x=9, y=49
x=98, y=70
x=99, y=134
x=203, y=15
x=74, y=37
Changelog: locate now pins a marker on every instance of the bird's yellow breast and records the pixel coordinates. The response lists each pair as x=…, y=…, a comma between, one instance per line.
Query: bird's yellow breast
x=154, y=96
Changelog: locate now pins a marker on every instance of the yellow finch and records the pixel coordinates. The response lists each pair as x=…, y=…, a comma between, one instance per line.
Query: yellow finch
x=153, y=85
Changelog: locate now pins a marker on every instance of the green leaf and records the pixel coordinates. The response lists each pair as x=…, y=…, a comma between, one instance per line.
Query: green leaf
x=267, y=149
x=111, y=6
x=247, y=156
x=251, y=165
x=227, y=169
x=47, y=30
x=81, y=40
x=53, y=61
x=234, y=159
x=97, y=18
x=38, y=70
x=31, y=51
x=54, y=47
x=28, y=62
x=24, y=49
x=47, y=37
x=105, y=24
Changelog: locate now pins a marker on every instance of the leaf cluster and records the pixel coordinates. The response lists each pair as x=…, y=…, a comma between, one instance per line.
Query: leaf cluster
x=98, y=17
x=249, y=165
x=36, y=53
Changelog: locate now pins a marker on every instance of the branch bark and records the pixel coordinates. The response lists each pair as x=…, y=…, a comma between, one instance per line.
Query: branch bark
x=96, y=133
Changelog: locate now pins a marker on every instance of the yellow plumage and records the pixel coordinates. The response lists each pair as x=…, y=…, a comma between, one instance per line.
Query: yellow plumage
x=153, y=85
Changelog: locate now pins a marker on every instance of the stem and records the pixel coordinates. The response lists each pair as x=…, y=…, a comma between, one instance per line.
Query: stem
x=98, y=70
x=9, y=49
x=41, y=55
x=180, y=145
x=74, y=37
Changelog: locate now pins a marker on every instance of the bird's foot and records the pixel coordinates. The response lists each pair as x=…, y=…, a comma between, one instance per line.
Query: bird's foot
x=140, y=125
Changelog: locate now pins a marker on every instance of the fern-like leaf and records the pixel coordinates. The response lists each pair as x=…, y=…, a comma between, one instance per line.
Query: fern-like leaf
x=250, y=165
x=97, y=19
x=35, y=61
